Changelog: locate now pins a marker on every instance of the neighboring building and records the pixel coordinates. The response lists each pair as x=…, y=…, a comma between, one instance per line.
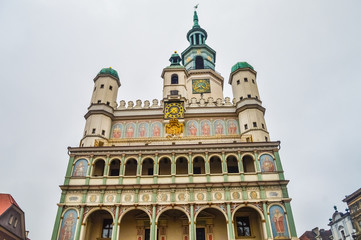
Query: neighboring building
x=316, y=234
x=195, y=165
x=341, y=225
x=12, y=219
x=354, y=204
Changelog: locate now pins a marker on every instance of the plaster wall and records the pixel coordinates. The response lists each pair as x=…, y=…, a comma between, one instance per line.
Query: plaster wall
x=243, y=89
x=105, y=94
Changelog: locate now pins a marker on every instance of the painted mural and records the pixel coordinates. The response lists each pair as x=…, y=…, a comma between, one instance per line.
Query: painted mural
x=232, y=127
x=156, y=130
x=80, y=168
x=206, y=128
x=143, y=130
x=267, y=163
x=67, y=229
x=117, y=130
x=192, y=128
x=218, y=127
x=278, y=222
x=130, y=130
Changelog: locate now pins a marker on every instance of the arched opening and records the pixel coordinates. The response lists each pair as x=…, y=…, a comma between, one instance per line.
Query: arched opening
x=135, y=224
x=199, y=62
x=198, y=166
x=232, y=164
x=165, y=166
x=114, y=167
x=181, y=166
x=174, y=79
x=99, y=225
x=98, y=168
x=148, y=167
x=248, y=224
x=248, y=164
x=211, y=224
x=173, y=224
x=131, y=167
x=215, y=165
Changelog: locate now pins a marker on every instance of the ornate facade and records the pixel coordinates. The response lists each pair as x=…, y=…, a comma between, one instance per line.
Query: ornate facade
x=194, y=165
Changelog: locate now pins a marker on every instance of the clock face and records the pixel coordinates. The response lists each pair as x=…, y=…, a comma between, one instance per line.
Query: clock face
x=201, y=86
x=173, y=110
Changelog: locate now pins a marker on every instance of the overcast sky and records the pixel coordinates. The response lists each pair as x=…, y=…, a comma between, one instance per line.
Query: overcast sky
x=307, y=54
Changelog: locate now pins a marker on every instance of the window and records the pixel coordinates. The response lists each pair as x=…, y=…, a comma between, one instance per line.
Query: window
x=107, y=228
x=241, y=98
x=15, y=223
x=243, y=227
x=108, y=103
x=199, y=62
x=102, y=86
x=253, y=81
x=174, y=79
x=249, y=95
x=11, y=219
x=254, y=124
x=196, y=170
x=262, y=125
x=246, y=79
x=266, y=139
x=110, y=87
x=173, y=92
x=238, y=82
x=99, y=101
x=245, y=126
x=93, y=131
x=103, y=132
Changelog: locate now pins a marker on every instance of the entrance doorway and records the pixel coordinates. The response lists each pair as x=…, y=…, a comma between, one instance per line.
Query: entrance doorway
x=200, y=234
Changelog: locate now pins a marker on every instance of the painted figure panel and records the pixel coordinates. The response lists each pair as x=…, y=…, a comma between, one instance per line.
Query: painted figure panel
x=80, y=168
x=143, y=130
x=192, y=128
x=218, y=126
x=117, y=130
x=278, y=222
x=267, y=163
x=232, y=127
x=156, y=129
x=206, y=128
x=130, y=130
x=67, y=229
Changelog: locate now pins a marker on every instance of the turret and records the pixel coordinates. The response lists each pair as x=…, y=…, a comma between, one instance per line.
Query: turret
x=248, y=102
x=102, y=105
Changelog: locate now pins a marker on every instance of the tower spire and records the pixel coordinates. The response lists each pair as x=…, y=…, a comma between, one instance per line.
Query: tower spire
x=195, y=17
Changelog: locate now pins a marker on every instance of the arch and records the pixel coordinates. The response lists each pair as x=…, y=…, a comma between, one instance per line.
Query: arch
x=68, y=224
x=267, y=162
x=232, y=164
x=248, y=164
x=269, y=153
x=212, y=222
x=174, y=79
x=248, y=221
x=249, y=206
x=199, y=165
x=212, y=206
x=94, y=210
x=130, y=209
x=80, y=167
x=215, y=164
x=114, y=167
x=165, y=166
x=98, y=167
x=181, y=165
x=98, y=223
x=199, y=62
x=147, y=167
x=171, y=208
x=279, y=221
x=131, y=166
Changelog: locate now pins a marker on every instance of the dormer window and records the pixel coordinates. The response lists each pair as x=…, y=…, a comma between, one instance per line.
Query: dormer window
x=199, y=62
x=174, y=79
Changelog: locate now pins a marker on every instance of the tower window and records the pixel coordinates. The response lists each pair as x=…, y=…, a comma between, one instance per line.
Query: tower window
x=99, y=101
x=256, y=97
x=262, y=125
x=266, y=139
x=254, y=124
x=108, y=103
x=246, y=79
x=103, y=132
x=249, y=95
x=107, y=228
x=253, y=81
x=110, y=87
x=173, y=92
x=245, y=126
x=243, y=227
x=174, y=79
x=199, y=62
x=241, y=98
x=93, y=131
x=238, y=82
x=102, y=86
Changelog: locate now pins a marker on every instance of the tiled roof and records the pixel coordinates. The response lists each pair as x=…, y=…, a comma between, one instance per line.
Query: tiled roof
x=6, y=200
x=310, y=235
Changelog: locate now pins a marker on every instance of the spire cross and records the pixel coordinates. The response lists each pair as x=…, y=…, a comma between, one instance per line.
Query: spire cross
x=196, y=6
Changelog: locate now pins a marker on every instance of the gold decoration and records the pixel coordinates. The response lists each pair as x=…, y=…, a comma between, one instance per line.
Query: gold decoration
x=201, y=86
x=209, y=58
x=188, y=59
x=174, y=128
x=98, y=143
x=198, y=51
x=173, y=110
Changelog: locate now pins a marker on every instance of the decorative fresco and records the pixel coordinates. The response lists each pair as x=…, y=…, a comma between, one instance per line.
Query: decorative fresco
x=117, y=130
x=218, y=127
x=267, y=163
x=143, y=130
x=130, y=130
x=192, y=128
x=232, y=127
x=67, y=228
x=156, y=129
x=80, y=168
x=278, y=222
x=206, y=128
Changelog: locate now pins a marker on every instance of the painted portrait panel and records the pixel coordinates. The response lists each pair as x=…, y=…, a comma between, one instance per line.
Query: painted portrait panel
x=67, y=228
x=156, y=129
x=232, y=127
x=192, y=128
x=143, y=130
x=129, y=130
x=267, y=163
x=206, y=128
x=117, y=131
x=80, y=168
x=218, y=127
x=278, y=222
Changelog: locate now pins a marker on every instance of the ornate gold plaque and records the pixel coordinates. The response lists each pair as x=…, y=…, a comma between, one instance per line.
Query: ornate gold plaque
x=174, y=128
x=173, y=110
x=201, y=86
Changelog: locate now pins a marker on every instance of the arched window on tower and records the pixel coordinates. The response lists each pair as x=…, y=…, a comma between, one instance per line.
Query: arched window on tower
x=199, y=62
x=98, y=168
x=174, y=79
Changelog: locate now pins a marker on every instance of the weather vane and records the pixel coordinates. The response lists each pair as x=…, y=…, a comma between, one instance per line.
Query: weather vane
x=196, y=6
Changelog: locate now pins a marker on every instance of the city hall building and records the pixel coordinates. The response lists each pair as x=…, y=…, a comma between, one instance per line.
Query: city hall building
x=193, y=165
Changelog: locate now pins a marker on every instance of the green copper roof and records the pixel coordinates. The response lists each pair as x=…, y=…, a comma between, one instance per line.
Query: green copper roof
x=241, y=65
x=195, y=20
x=110, y=71
x=175, y=59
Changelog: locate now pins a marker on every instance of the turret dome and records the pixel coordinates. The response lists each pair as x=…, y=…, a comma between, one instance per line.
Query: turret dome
x=241, y=65
x=110, y=71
